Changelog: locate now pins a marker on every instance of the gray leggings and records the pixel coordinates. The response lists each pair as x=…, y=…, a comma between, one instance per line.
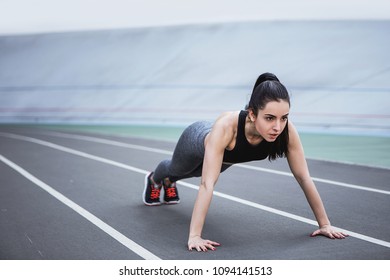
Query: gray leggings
x=187, y=159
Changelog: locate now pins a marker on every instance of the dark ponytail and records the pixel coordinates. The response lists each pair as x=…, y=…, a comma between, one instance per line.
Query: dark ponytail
x=268, y=88
x=265, y=77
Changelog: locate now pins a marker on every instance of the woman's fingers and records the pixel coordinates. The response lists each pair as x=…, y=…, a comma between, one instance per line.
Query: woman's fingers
x=202, y=245
x=329, y=232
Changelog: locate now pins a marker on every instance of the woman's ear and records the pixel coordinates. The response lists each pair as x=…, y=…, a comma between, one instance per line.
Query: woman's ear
x=251, y=115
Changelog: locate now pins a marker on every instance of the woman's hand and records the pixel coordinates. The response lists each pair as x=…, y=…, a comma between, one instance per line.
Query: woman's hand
x=329, y=231
x=200, y=244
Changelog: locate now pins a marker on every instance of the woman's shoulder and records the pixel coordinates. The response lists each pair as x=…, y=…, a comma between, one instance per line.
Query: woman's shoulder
x=293, y=135
x=225, y=126
x=228, y=119
x=224, y=129
x=230, y=116
x=291, y=128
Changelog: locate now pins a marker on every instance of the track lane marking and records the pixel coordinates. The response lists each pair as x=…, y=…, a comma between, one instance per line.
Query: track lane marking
x=130, y=244
x=192, y=186
x=245, y=166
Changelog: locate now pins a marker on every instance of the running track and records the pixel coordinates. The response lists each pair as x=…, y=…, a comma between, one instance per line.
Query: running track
x=78, y=196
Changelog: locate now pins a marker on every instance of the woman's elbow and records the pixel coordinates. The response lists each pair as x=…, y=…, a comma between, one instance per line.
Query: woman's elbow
x=303, y=179
x=207, y=186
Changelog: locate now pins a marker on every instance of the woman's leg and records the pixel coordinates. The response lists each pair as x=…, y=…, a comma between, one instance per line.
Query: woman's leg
x=187, y=159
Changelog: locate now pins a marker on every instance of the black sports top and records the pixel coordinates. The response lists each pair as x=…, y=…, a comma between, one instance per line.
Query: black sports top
x=243, y=151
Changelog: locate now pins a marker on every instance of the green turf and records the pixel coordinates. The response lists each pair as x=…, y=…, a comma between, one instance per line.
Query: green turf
x=363, y=150
x=165, y=133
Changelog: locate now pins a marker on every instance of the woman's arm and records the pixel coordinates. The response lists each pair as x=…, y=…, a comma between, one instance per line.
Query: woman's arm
x=298, y=166
x=218, y=139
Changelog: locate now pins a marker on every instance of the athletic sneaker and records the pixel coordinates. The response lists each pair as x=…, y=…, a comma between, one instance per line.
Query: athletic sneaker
x=151, y=195
x=171, y=196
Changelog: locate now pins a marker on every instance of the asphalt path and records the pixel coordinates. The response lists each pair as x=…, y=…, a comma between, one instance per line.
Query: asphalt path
x=74, y=196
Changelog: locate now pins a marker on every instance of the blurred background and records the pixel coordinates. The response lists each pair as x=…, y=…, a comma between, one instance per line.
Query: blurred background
x=165, y=64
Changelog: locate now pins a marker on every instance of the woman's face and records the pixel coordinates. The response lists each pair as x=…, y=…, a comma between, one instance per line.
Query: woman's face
x=271, y=120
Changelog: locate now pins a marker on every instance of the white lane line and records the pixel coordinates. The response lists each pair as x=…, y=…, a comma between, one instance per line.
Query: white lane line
x=291, y=216
x=107, y=142
x=153, y=150
x=256, y=205
x=72, y=151
x=320, y=180
x=191, y=186
x=130, y=244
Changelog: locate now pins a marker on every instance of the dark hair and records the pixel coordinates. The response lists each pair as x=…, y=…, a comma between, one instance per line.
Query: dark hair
x=268, y=88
